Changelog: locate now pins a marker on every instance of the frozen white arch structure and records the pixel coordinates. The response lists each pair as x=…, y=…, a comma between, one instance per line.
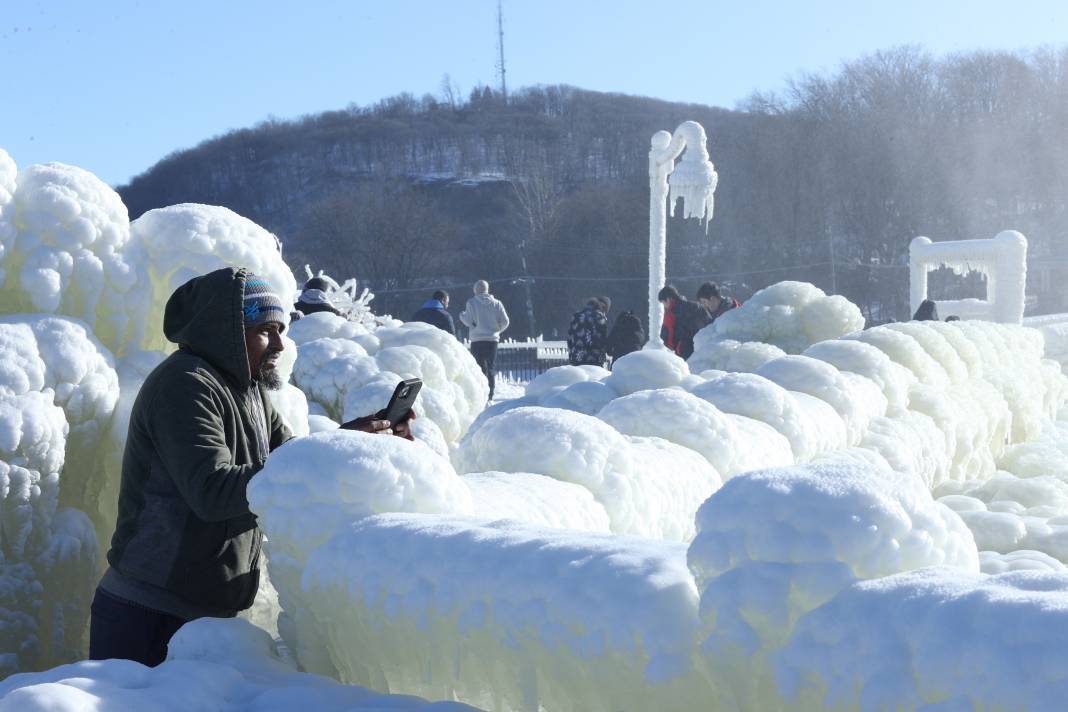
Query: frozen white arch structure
x=1002, y=260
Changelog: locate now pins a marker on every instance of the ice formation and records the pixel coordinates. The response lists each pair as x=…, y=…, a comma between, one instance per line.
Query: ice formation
x=648, y=486
x=788, y=315
x=350, y=372
x=1002, y=260
x=930, y=410
x=67, y=254
x=177, y=243
x=738, y=531
x=224, y=665
x=58, y=390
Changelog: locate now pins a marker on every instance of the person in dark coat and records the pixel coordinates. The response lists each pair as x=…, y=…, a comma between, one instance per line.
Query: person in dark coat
x=587, y=335
x=927, y=311
x=186, y=544
x=714, y=302
x=682, y=320
x=313, y=298
x=435, y=312
x=627, y=335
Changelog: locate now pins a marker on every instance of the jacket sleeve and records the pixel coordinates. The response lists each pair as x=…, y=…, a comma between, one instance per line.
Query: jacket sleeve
x=451, y=325
x=186, y=426
x=502, y=317
x=465, y=318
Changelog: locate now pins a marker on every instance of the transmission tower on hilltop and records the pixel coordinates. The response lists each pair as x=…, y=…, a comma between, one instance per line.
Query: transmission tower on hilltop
x=500, y=50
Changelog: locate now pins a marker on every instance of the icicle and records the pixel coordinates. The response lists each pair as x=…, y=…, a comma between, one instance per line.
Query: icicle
x=694, y=181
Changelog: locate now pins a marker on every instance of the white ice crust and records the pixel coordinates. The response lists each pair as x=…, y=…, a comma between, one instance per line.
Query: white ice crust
x=740, y=531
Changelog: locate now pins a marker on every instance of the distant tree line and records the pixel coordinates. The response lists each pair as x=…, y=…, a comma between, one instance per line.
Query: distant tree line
x=546, y=192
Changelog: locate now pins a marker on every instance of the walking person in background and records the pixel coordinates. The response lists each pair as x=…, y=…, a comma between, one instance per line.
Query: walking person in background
x=682, y=320
x=587, y=336
x=627, y=335
x=435, y=312
x=713, y=302
x=486, y=318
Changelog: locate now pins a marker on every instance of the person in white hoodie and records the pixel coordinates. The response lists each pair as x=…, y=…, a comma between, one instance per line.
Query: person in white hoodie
x=486, y=318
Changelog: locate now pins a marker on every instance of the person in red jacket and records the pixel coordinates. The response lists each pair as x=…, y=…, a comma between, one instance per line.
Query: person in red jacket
x=682, y=320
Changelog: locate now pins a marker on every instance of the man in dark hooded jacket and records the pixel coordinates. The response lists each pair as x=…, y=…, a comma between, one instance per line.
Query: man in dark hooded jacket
x=435, y=312
x=186, y=544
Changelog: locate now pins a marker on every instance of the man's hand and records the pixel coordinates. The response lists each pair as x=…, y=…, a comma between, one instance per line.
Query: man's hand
x=377, y=424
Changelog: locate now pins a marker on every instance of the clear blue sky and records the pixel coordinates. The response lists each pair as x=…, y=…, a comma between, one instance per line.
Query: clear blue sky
x=114, y=85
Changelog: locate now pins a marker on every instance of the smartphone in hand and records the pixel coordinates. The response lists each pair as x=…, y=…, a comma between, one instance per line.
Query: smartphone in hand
x=400, y=404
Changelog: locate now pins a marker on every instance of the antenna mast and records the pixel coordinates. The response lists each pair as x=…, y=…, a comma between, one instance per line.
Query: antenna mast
x=500, y=49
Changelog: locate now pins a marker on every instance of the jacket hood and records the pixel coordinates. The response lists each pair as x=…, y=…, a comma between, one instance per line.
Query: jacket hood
x=204, y=316
x=433, y=304
x=488, y=298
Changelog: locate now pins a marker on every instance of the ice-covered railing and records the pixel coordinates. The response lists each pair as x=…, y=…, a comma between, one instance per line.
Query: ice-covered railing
x=487, y=610
x=1001, y=260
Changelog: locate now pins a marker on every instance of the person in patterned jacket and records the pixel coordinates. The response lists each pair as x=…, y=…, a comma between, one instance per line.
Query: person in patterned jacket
x=587, y=336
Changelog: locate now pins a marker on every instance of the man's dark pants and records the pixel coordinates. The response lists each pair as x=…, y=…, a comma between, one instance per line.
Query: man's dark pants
x=119, y=629
x=485, y=353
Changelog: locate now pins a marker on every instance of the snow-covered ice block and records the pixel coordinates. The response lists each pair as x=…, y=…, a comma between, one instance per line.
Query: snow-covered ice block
x=725, y=441
x=730, y=355
x=645, y=370
x=789, y=315
x=856, y=398
x=937, y=638
x=535, y=499
x=648, y=486
x=70, y=254
x=753, y=396
x=225, y=665
x=508, y=615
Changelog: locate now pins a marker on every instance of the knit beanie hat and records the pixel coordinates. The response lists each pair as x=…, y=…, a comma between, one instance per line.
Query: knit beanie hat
x=260, y=304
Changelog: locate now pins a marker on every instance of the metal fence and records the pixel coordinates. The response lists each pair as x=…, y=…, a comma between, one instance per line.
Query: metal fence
x=523, y=361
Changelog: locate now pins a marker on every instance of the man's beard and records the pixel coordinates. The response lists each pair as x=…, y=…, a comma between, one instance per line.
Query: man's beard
x=269, y=377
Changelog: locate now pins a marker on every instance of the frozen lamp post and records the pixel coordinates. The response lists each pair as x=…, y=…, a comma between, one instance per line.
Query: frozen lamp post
x=693, y=180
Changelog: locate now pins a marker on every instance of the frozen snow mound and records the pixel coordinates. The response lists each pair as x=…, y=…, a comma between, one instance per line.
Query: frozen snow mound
x=729, y=443
x=219, y=664
x=347, y=380
x=648, y=486
x=886, y=644
x=324, y=325
x=645, y=370
x=174, y=244
x=789, y=315
x=314, y=486
x=58, y=391
x=855, y=398
x=535, y=499
x=68, y=254
x=711, y=353
x=756, y=397
x=504, y=614
x=776, y=544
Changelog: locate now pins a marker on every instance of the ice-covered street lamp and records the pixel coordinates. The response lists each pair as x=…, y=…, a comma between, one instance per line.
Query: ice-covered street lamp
x=693, y=180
